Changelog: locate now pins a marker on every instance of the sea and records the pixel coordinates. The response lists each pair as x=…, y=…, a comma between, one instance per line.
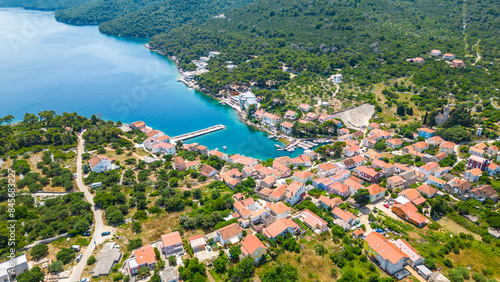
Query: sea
x=48, y=65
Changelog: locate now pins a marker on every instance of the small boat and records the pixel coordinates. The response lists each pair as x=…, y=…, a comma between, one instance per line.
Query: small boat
x=270, y=137
x=224, y=147
x=278, y=146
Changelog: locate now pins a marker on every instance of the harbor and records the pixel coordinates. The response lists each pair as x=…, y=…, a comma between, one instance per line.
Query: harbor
x=198, y=133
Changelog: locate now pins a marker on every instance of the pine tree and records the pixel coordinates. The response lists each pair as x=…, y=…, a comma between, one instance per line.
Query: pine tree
x=425, y=118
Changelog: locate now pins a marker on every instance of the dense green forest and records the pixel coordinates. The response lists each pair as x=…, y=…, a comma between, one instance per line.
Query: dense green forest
x=43, y=5
x=99, y=11
x=167, y=15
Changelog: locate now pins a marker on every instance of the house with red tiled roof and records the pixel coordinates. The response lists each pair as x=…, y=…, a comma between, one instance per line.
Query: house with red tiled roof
x=295, y=192
x=394, y=143
x=367, y=173
x=477, y=162
x=413, y=196
x=427, y=190
x=268, y=181
x=305, y=107
x=432, y=180
x=280, y=210
x=253, y=248
x=484, y=192
x=447, y=147
x=179, y=164
x=197, y=243
x=328, y=203
x=435, y=52
x=341, y=176
x=354, y=162
x=426, y=132
x=387, y=256
x=280, y=227
x=351, y=151
x=434, y=141
x=303, y=176
x=193, y=165
x=395, y=182
x=338, y=188
x=271, y=119
x=327, y=169
x=143, y=257
x=230, y=234
x=457, y=64
x=410, y=213
x=353, y=185
x=473, y=174
x=373, y=125
x=172, y=243
x=100, y=164
x=286, y=127
x=414, y=258
x=311, y=220
x=290, y=115
x=219, y=154
x=346, y=216
x=283, y=169
x=137, y=125
x=376, y=192
x=208, y=171
x=387, y=169
x=493, y=169
x=420, y=146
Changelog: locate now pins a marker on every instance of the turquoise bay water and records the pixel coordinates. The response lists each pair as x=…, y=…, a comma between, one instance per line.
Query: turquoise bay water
x=46, y=65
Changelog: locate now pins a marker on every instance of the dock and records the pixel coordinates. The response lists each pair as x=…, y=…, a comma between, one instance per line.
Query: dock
x=199, y=132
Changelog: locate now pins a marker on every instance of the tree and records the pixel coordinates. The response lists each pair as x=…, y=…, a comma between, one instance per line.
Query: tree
x=91, y=260
x=193, y=270
x=362, y=197
x=33, y=275
x=242, y=271
x=136, y=227
x=143, y=272
x=172, y=261
x=39, y=251
x=400, y=110
x=234, y=252
x=66, y=255
x=220, y=264
x=281, y=272
x=56, y=266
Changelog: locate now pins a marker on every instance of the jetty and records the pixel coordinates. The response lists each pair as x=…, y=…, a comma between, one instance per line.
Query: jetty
x=199, y=132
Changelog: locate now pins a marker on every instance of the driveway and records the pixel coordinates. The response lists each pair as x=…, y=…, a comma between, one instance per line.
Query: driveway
x=206, y=255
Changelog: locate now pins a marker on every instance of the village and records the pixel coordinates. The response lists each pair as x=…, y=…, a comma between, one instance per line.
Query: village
x=362, y=183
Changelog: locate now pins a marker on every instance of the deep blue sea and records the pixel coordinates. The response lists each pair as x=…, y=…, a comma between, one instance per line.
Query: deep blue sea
x=47, y=65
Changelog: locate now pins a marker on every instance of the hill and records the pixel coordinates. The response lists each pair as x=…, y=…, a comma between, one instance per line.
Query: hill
x=167, y=15
x=43, y=5
x=99, y=11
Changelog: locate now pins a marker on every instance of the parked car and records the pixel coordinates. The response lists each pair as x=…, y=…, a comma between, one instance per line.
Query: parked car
x=79, y=257
x=386, y=206
x=85, y=280
x=379, y=230
x=105, y=233
x=86, y=233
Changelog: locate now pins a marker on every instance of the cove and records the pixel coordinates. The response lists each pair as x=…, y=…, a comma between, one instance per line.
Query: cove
x=47, y=65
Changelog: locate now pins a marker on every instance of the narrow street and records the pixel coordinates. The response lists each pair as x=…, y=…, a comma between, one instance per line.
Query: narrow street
x=98, y=214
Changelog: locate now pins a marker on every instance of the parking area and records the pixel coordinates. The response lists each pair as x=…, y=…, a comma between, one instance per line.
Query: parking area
x=206, y=255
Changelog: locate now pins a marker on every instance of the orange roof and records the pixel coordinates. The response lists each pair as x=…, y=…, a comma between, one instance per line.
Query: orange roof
x=340, y=187
x=326, y=166
x=145, y=255
x=330, y=202
x=367, y=170
x=420, y=145
x=413, y=195
x=428, y=130
x=229, y=231
x=437, y=180
x=279, y=208
x=278, y=192
x=163, y=137
x=250, y=244
x=384, y=247
x=279, y=226
x=138, y=124
x=171, y=239
x=447, y=144
x=303, y=174
x=426, y=189
x=375, y=189
x=344, y=215
x=411, y=212
x=287, y=124
x=97, y=159
x=475, y=171
x=153, y=133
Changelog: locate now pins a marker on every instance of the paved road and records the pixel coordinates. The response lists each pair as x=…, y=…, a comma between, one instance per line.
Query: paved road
x=98, y=223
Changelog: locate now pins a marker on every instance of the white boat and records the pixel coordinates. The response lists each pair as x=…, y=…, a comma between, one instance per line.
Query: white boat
x=278, y=146
x=270, y=137
x=224, y=147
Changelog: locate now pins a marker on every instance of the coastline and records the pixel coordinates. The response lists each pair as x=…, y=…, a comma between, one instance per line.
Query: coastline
x=241, y=115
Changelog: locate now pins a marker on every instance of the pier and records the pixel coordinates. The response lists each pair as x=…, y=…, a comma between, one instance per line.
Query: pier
x=199, y=132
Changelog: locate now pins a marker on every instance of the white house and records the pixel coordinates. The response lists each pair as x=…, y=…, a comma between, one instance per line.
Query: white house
x=9, y=270
x=286, y=127
x=100, y=164
x=295, y=192
x=230, y=234
x=163, y=148
x=271, y=119
x=337, y=78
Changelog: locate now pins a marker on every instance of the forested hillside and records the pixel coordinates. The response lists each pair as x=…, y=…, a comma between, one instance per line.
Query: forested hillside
x=370, y=41
x=99, y=11
x=167, y=15
x=44, y=5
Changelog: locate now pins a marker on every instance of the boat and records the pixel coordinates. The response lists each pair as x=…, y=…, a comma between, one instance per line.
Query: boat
x=270, y=137
x=278, y=146
x=224, y=147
